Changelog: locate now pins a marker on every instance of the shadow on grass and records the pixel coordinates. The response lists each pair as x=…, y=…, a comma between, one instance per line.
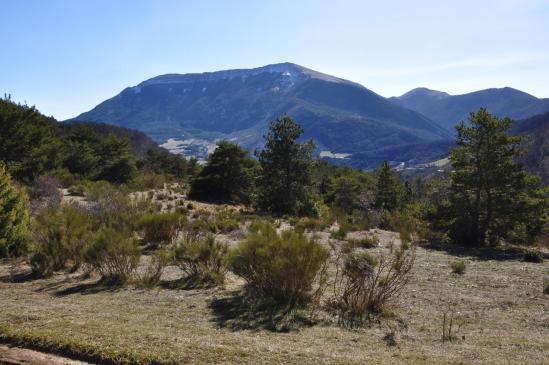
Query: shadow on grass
x=187, y=283
x=239, y=312
x=89, y=288
x=502, y=253
x=20, y=277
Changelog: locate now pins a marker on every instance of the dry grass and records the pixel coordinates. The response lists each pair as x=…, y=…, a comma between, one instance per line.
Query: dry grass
x=500, y=307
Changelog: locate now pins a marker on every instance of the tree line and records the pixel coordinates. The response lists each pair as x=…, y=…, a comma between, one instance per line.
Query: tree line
x=33, y=145
x=487, y=198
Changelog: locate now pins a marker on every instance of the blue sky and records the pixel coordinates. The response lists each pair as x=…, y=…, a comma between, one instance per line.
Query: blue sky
x=66, y=56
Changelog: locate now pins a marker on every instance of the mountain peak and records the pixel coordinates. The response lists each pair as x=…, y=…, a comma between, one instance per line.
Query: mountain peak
x=423, y=91
x=290, y=70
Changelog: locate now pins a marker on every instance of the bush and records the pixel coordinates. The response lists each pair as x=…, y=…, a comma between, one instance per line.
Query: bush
x=64, y=177
x=546, y=286
x=113, y=254
x=308, y=224
x=113, y=207
x=147, y=180
x=408, y=221
x=41, y=264
x=227, y=221
x=458, y=267
x=77, y=190
x=95, y=190
x=203, y=261
x=532, y=256
x=226, y=225
x=153, y=271
x=366, y=242
x=60, y=236
x=367, y=283
x=282, y=267
x=339, y=234
x=14, y=219
x=160, y=229
x=44, y=193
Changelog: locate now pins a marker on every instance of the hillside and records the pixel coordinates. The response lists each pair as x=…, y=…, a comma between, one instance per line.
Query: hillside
x=536, y=144
x=447, y=110
x=341, y=116
x=32, y=144
x=139, y=141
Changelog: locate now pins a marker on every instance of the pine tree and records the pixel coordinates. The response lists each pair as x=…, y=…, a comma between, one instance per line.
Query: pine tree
x=491, y=197
x=285, y=181
x=116, y=160
x=14, y=217
x=28, y=142
x=344, y=192
x=228, y=175
x=389, y=189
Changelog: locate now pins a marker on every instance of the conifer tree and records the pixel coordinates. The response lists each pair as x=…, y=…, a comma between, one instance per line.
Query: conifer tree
x=228, y=175
x=389, y=189
x=285, y=181
x=491, y=196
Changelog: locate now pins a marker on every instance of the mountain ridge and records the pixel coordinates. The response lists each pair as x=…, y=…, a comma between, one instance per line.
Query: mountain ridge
x=448, y=110
x=340, y=115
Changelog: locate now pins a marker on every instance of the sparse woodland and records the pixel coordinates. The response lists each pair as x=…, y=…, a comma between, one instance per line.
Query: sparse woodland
x=118, y=256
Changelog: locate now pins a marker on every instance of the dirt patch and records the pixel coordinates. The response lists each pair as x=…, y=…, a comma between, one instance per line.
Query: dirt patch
x=20, y=356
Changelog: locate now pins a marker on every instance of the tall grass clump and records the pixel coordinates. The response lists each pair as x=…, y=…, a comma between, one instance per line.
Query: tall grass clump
x=282, y=267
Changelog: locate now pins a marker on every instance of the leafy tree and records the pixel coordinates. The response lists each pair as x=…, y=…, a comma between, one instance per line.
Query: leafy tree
x=14, y=219
x=285, y=181
x=389, y=189
x=228, y=175
x=491, y=197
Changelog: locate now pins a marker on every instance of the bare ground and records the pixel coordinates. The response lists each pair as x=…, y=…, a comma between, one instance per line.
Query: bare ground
x=20, y=356
x=501, y=316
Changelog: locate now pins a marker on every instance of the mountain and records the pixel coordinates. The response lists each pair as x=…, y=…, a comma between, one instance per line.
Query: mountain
x=536, y=144
x=343, y=117
x=447, y=110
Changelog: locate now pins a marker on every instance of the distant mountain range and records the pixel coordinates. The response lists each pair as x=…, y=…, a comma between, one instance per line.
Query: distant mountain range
x=447, y=110
x=349, y=123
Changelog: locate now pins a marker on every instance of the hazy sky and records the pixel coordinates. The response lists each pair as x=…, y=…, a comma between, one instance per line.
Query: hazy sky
x=67, y=56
